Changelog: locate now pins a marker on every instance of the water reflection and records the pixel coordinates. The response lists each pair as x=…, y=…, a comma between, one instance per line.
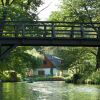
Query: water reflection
x=48, y=91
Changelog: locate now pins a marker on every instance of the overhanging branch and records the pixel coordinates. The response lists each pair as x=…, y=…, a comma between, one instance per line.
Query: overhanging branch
x=2, y=2
x=7, y=51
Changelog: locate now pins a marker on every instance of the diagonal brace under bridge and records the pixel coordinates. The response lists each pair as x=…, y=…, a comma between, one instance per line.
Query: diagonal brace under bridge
x=6, y=51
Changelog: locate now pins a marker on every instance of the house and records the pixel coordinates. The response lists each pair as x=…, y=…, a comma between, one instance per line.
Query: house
x=50, y=66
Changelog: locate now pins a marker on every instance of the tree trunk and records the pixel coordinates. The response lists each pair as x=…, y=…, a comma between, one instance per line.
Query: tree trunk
x=98, y=52
x=98, y=59
x=1, y=91
x=0, y=49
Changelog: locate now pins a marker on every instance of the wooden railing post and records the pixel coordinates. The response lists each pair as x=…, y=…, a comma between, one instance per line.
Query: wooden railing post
x=16, y=30
x=23, y=30
x=82, y=30
x=72, y=32
x=45, y=31
x=53, y=34
x=2, y=23
x=98, y=34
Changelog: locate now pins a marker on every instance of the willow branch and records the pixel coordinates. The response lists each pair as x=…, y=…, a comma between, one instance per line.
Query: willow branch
x=44, y=8
x=12, y=2
x=7, y=2
x=2, y=2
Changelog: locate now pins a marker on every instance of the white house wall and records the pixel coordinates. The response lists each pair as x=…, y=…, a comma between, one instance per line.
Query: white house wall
x=47, y=71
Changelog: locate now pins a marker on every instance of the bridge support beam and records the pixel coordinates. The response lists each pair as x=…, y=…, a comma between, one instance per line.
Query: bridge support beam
x=25, y=41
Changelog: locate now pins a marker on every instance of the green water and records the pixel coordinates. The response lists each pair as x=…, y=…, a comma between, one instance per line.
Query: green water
x=48, y=91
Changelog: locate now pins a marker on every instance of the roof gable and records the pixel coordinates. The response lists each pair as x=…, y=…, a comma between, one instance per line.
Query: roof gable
x=56, y=61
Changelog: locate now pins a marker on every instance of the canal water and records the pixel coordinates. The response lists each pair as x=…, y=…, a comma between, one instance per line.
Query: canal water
x=48, y=91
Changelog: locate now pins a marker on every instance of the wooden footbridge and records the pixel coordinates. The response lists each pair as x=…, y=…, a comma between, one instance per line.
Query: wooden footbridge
x=48, y=33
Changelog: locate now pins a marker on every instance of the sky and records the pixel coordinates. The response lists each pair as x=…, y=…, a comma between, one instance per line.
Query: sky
x=46, y=12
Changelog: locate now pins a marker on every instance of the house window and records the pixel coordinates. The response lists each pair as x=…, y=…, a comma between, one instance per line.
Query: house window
x=44, y=62
x=41, y=72
x=62, y=61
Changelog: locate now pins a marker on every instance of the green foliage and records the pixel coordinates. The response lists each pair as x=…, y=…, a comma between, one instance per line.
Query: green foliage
x=19, y=60
x=9, y=76
x=77, y=10
x=81, y=61
x=76, y=77
x=94, y=78
x=18, y=10
x=22, y=9
x=74, y=56
x=48, y=78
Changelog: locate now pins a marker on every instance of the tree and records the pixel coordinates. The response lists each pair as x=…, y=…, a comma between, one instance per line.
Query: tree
x=80, y=11
x=17, y=10
x=20, y=59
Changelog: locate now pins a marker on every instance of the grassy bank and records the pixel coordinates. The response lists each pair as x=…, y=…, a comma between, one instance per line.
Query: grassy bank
x=85, y=78
x=48, y=78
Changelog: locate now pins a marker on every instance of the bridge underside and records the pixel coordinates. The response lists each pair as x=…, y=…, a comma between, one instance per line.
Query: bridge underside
x=25, y=41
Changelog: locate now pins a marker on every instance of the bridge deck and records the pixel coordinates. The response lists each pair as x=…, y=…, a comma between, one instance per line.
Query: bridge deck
x=49, y=42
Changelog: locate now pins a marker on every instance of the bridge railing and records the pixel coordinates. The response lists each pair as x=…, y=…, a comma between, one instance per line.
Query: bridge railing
x=46, y=29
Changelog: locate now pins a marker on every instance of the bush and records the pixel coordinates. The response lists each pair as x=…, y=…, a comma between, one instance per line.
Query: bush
x=9, y=77
x=95, y=77
x=76, y=78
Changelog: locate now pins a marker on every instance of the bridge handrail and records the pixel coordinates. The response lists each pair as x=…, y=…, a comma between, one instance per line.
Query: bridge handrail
x=51, y=29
